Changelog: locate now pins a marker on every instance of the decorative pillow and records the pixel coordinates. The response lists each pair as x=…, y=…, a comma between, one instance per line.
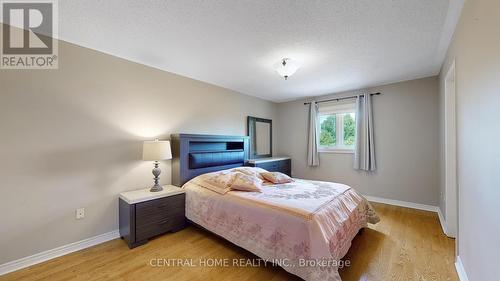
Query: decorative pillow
x=251, y=171
x=219, y=182
x=244, y=182
x=276, y=177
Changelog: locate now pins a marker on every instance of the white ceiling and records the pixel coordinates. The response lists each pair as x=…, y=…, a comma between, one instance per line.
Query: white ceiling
x=341, y=44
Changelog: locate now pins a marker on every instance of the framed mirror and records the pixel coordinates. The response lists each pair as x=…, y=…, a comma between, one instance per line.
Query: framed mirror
x=260, y=131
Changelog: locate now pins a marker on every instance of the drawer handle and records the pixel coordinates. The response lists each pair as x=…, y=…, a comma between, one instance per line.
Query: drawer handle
x=163, y=221
x=162, y=206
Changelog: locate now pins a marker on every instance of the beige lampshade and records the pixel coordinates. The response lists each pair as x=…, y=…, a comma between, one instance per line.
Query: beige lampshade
x=156, y=150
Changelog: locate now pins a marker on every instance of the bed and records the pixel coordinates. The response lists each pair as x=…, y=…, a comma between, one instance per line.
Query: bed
x=304, y=226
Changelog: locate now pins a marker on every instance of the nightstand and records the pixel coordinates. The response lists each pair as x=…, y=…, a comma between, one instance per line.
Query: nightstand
x=145, y=214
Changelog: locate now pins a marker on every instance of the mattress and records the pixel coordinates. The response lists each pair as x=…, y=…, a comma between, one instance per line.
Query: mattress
x=304, y=226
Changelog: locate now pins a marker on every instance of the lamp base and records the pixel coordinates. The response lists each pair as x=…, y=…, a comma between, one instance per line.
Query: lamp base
x=156, y=172
x=156, y=188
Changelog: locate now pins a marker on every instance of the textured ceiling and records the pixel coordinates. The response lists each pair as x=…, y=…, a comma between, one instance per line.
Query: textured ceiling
x=341, y=44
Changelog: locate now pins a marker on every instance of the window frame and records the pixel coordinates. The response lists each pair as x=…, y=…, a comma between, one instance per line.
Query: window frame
x=339, y=110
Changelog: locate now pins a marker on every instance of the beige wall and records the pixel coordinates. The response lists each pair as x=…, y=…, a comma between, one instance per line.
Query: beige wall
x=406, y=143
x=476, y=50
x=72, y=138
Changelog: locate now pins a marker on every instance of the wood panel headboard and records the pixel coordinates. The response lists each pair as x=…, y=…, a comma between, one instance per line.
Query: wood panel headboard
x=193, y=155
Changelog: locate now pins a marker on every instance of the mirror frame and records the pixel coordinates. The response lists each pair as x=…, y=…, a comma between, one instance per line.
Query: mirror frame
x=251, y=133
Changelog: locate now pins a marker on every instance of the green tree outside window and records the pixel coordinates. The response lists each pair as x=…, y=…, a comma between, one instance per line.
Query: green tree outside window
x=349, y=129
x=328, y=136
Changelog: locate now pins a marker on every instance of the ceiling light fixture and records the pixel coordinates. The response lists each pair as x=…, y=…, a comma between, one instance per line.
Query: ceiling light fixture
x=286, y=67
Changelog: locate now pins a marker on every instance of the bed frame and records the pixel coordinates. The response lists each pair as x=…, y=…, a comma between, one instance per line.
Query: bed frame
x=194, y=154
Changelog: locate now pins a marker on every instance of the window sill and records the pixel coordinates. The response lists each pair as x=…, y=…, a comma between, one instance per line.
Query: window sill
x=340, y=151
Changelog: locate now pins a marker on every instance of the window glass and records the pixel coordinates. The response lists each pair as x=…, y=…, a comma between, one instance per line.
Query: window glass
x=328, y=133
x=337, y=125
x=349, y=128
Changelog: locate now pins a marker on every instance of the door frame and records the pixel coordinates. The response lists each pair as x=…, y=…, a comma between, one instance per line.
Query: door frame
x=450, y=150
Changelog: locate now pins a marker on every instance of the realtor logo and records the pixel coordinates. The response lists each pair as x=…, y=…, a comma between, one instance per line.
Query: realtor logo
x=28, y=32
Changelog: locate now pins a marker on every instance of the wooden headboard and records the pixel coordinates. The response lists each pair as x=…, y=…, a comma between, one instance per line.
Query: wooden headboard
x=193, y=155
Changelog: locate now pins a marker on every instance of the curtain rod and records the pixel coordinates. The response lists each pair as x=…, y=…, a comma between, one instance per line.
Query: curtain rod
x=342, y=98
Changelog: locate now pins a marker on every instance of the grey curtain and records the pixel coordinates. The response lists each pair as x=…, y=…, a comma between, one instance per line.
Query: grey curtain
x=312, y=136
x=364, y=157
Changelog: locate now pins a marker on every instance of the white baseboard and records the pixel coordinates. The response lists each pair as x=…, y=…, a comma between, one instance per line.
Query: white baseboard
x=405, y=204
x=57, y=252
x=442, y=221
x=462, y=275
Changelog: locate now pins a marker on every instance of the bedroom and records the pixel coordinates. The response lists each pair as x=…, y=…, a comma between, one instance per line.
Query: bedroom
x=79, y=125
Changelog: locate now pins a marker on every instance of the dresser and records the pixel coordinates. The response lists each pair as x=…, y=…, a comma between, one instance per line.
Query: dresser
x=145, y=214
x=273, y=164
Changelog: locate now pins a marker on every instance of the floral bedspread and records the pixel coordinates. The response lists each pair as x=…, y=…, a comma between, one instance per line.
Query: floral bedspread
x=304, y=226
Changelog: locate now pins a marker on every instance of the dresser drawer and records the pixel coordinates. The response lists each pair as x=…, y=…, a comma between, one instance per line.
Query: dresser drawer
x=285, y=166
x=270, y=166
x=154, y=228
x=282, y=166
x=159, y=210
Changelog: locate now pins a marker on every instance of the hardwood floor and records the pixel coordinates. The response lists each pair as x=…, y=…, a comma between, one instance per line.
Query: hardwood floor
x=406, y=245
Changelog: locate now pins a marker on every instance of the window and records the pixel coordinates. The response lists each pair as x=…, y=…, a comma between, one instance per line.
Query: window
x=337, y=127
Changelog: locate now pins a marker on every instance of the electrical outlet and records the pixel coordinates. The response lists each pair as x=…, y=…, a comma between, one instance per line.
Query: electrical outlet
x=80, y=213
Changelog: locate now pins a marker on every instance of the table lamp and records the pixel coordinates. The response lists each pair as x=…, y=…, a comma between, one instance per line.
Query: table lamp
x=155, y=151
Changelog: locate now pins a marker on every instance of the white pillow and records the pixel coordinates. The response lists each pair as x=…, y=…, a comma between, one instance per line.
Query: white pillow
x=276, y=177
x=244, y=182
x=219, y=182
